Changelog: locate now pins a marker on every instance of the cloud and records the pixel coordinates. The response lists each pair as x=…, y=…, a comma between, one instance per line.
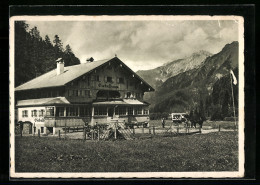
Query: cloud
x=141, y=44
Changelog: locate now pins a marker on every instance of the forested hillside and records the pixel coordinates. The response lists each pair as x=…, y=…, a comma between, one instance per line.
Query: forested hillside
x=35, y=55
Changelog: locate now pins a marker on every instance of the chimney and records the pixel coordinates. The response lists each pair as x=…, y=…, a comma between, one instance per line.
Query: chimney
x=91, y=59
x=60, y=66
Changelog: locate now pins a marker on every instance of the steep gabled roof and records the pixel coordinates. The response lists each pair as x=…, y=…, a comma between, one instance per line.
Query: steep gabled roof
x=51, y=79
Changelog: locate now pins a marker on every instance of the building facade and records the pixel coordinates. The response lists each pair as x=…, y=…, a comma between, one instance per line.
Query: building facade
x=95, y=92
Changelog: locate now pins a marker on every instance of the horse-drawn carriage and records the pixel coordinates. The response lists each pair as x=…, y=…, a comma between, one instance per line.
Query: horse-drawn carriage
x=189, y=121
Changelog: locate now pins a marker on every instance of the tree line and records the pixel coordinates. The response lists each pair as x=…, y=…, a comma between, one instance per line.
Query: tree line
x=35, y=56
x=214, y=105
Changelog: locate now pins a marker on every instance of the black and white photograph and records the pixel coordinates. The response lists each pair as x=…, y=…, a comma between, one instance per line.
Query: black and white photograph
x=127, y=96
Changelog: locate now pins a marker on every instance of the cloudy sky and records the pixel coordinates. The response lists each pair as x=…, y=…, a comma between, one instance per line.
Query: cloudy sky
x=140, y=44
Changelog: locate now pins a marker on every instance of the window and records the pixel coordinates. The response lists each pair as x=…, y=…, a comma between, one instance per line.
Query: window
x=139, y=111
x=79, y=93
x=72, y=111
x=25, y=113
x=133, y=95
x=70, y=92
x=34, y=113
x=120, y=80
x=50, y=111
x=41, y=113
x=97, y=78
x=130, y=110
x=100, y=111
x=120, y=111
x=84, y=111
x=128, y=94
x=146, y=111
x=60, y=111
x=87, y=93
x=109, y=79
x=42, y=129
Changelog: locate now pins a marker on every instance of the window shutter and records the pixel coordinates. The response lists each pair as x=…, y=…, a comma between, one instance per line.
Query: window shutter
x=90, y=94
x=105, y=78
x=32, y=113
x=118, y=80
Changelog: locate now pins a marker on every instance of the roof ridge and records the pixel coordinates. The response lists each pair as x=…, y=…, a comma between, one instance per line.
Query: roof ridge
x=51, y=79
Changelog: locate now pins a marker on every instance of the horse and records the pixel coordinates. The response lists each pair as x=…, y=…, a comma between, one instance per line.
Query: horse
x=200, y=121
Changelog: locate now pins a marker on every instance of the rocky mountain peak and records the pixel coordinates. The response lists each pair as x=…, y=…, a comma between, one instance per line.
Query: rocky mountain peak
x=202, y=52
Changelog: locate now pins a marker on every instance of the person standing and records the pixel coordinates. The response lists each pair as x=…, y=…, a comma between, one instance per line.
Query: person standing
x=163, y=123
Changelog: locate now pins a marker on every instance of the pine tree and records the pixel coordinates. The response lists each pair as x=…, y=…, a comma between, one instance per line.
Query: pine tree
x=47, y=41
x=69, y=57
x=68, y=50
x=58, y=47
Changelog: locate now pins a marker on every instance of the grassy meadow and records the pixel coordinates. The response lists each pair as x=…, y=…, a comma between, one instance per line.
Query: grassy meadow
x=216, y=151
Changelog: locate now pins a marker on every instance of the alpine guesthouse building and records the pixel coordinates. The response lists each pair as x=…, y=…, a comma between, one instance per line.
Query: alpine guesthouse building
x=90, y=93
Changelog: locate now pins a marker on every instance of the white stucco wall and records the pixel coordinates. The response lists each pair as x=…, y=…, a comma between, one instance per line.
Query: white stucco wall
x=37, y=121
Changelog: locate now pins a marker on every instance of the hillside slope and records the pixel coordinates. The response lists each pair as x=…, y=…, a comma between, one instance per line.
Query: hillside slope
x=187, y=89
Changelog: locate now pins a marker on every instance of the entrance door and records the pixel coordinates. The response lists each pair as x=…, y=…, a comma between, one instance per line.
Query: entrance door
x=110, y=112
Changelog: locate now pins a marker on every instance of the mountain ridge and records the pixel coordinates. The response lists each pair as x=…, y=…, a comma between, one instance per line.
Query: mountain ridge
x=188, y=88
x=157, y=76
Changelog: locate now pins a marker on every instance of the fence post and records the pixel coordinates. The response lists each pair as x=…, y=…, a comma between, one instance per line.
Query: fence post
x=59, y=134
x=178, y=129
x=65, y=129
x=133, y=129
x=21, y=129
x=153, y=130
x=219, y=128
x=143, y=129
x=115, y=131
x=38, y=132
x=98, y=133
x=34, y=129
x=200, y=129
x=149, y=130
x=84, y=133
